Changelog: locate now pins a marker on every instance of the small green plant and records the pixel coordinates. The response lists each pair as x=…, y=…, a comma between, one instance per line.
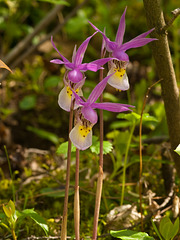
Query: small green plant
x=11, y=217
x=9, y=220
x=130, y=235
x=167, y=230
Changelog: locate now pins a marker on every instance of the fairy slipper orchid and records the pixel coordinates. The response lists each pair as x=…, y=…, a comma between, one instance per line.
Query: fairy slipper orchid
x=76, y=68
x=86, y=116
x=118, y=51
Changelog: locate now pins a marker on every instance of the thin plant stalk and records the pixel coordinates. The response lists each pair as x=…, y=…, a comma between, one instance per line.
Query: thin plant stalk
x=125, y=163
x=65, y=210
x=76, y=199
x=14, y=234
x=100, y=176
x=98, y=202
x=140, y=152
x=11, y=174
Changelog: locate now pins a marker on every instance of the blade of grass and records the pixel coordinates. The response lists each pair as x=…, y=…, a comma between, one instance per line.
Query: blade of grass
x=140, y=152
x=125, y=162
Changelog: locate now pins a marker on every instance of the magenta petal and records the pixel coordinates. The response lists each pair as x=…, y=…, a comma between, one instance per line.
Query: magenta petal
x=57, y=61
x=81, y=50
x=97, y=91
x=75, y=76
x=121, y=29
x=68, y=65
x=79, y=101
x=120, y=55
x=103, y=46
x=112, y=107
x=74, y=54
x=102, y=61
x=63, y=58
x=143, y=35
x=89, y=114
x=89, y=66
x=94, y=65
x=137, y=43
x=109, y=44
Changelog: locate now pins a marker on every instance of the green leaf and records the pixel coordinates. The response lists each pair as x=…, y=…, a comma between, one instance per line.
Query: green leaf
x=4, y=225
x=107, y=147
x=120, y=124
x=6, y=112
x=56, y=2
x=56, y=193
x=129, y=116
x=37, y=218
x=75, y=26
x=175, y=228
x=134, y=117
x=63, y=148
x=156, y=230
x=28, y=102
x=147, y=118
x=177, y=150
x=165, y=228
x=112, y=135
x=7, y=211
x=11, y=206
x=51, y=81
x=130, y=235
x=44, y=134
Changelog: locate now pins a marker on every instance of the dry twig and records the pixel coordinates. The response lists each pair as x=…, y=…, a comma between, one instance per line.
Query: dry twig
x=175, y=13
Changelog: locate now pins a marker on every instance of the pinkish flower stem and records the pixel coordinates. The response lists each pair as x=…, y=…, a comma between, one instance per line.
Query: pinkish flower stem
x=100, y=176
x=76, y=199
x=65, y=210
x=98, y=202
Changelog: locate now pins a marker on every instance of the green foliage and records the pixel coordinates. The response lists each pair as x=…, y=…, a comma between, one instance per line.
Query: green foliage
x=28, y=102
x=36, y=217
x=44, y=134
x=55, y=193
x=12, y=215
x=76, y=24
x=51, y=81
x=167, y=229
x=130, y=235
x=107, y=147
x=62, y=2
x=63, y=147
x=31, y=93
x=134, y=118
